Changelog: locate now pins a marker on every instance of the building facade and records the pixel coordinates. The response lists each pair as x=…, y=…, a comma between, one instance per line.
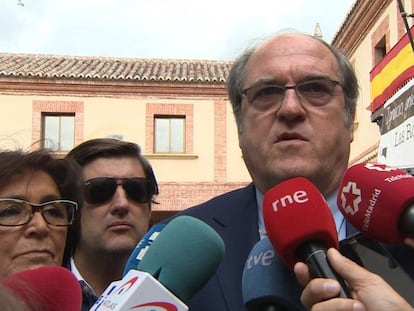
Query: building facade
x=176, y=110
x=370, y=31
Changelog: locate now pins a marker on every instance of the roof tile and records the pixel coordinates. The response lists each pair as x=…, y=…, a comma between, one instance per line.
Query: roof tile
x=78, y=67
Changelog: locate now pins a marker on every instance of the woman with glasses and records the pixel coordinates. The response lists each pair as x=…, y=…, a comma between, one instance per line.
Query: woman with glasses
x=39, y=197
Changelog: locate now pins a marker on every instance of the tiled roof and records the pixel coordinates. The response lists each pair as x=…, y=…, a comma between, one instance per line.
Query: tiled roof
x=370, y=154
x=343, y=24
x=73, y=67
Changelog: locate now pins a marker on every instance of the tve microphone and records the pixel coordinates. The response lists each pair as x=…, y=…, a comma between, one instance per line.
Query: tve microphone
x=48, y=288
x=267, y=284
x=179, y=262
x=379, y=201
x=300, y=226
x=142, y=247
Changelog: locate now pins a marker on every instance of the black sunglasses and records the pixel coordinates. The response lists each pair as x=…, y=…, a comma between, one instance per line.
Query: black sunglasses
x=100, y=190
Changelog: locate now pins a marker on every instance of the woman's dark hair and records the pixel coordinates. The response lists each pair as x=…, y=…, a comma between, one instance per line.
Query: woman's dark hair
x=66, y=173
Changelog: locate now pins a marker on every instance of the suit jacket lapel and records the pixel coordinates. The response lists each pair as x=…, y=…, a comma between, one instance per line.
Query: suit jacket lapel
x=238, y=225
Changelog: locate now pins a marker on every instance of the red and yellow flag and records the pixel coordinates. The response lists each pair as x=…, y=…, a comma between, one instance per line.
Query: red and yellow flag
x=394, y=70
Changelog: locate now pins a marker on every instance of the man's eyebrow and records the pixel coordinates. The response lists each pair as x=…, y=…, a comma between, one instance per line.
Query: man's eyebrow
x=263, y=82
x=318, y=76
x=309, y=77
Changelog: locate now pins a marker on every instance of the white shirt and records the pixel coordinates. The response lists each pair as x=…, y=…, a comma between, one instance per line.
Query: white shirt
x=79, y=276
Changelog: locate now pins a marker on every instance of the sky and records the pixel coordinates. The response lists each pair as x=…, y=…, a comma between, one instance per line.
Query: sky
x=175, y=29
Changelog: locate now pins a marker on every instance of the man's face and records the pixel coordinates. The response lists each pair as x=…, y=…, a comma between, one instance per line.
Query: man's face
x=114, y=226
x=293, y=137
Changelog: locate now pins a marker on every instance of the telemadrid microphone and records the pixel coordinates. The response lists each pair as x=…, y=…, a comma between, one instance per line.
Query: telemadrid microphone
x=379, y=201
x=300, y=227
x=179, y=262
x=267, y=283
x=48, y=288
x=142, y=247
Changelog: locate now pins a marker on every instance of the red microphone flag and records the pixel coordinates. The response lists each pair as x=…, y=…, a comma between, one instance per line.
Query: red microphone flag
x=295, y=212
x=372, y=197
x=48, y=288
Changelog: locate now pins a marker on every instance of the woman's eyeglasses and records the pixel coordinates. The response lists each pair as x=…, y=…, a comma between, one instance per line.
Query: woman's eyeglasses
x=16, y=212
x=100, y=190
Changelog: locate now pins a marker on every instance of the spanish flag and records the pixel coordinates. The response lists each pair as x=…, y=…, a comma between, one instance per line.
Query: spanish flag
x=394, y=70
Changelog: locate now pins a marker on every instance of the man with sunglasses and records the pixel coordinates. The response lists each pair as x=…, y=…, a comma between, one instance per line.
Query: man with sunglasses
x=119, y=188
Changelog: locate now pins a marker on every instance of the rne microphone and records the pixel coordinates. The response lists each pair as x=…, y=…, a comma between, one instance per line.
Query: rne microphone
x=267, y=283
x=142, y=247
x=48, y=288
x=379, y=201
x=301, y=227
x=179, y=262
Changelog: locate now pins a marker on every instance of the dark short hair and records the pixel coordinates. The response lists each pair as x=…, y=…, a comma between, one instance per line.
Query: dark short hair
x=98, y=148
x=347, y=79
x=66, y=173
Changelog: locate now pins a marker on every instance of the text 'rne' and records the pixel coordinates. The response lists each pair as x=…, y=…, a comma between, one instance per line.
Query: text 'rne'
x=299, y=197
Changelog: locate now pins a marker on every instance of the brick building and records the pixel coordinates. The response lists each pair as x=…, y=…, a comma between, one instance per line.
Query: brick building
x=176, y=110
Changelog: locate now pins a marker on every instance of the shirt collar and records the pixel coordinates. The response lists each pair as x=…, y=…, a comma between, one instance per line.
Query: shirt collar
x=79, y=276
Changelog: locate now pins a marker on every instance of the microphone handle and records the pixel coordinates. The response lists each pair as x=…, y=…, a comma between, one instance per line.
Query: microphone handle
x=406, y=223
x=274, y=308
x=314, y=254
x=266, y=306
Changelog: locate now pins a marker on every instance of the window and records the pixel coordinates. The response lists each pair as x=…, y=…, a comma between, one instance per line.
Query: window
x=380, y=50
x=158, y=129
x=58, y=131
x=169, y=134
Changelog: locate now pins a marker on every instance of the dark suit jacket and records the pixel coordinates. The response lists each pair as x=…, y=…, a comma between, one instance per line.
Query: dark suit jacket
x=234, y=216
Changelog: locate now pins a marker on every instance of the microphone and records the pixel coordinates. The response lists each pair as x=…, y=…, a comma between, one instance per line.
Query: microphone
x=179, y=262
x=48, y=288
x=267, y=283
x=142, y=247
x=184, y=256
x=379, y=201
x=300, y=227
